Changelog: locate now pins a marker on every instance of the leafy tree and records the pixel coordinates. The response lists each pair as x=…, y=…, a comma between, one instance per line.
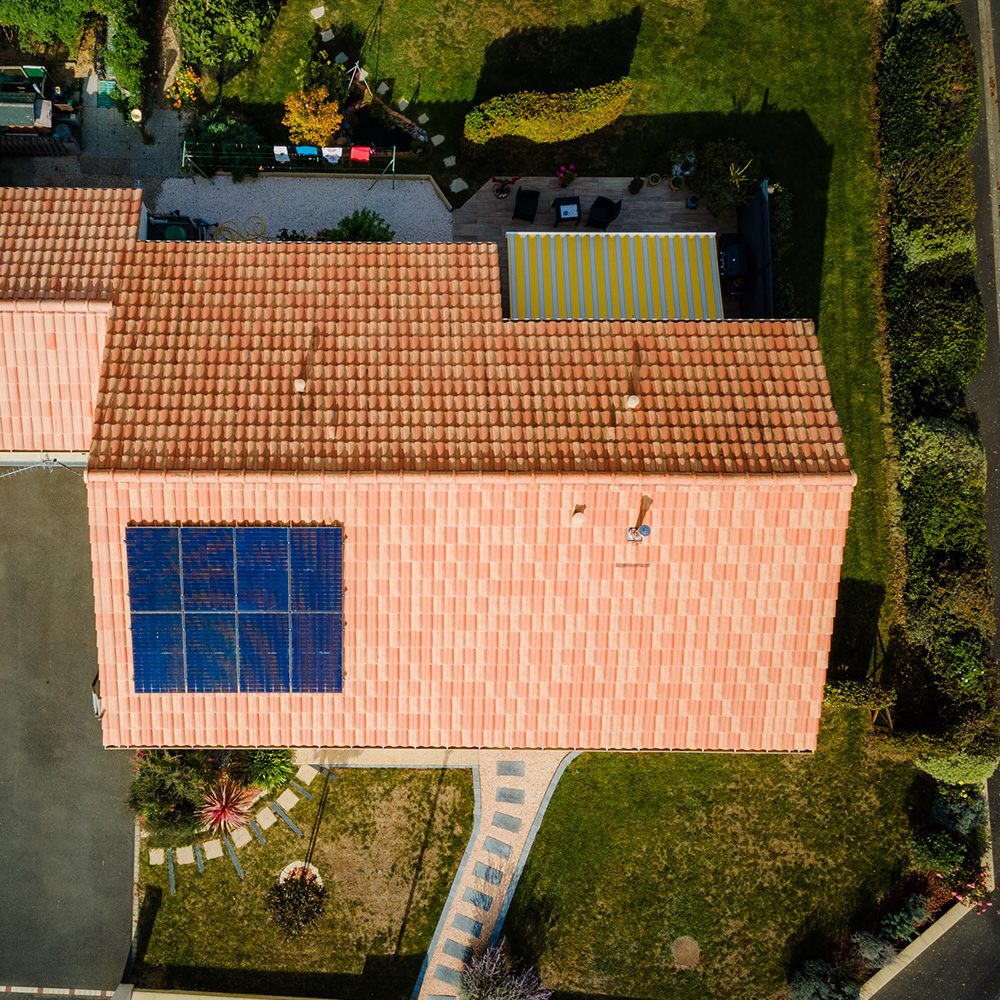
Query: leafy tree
x=311, y=116
x=494, y=976
x=47, y=20
x=321, y=71
x=363, y=225
x=298, y=902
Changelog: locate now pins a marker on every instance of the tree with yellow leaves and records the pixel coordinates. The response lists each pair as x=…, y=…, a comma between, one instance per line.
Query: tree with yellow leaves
x=311, y=116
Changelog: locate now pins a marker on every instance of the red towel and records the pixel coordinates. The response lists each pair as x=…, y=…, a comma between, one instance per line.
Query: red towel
x=360, y=154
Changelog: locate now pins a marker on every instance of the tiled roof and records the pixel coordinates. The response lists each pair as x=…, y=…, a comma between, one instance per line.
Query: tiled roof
x=477, y=613
x=64, y=243
x=395, y=357
x=50, y=360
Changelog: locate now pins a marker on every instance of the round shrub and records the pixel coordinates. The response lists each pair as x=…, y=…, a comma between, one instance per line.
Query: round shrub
x=872, y=951
x=937, y=852
x=298, y=902
x=815, y=980
x=928, y=86
x=494, y=976
x=548, y=117
x=959, y=808
x=965, y=767
x=363, y=225
x=267, y=769
x=168, y=790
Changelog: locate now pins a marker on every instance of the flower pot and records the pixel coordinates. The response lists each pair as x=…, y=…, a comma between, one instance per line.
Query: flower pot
x=653, y=180
x=693, y=200
x=501, y=191
x=676, y=183
x=294, y=867
x=635, y=185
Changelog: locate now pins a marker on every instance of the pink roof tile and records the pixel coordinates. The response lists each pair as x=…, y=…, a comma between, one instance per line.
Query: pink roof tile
x=477, y=614
x=64, y=243
x=394, y=357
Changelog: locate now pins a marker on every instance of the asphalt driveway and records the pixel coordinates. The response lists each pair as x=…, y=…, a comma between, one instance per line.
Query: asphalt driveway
x=65, y=835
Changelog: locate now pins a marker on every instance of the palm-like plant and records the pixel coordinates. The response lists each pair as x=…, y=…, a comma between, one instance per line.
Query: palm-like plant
x=226, y=807
x=267, y=769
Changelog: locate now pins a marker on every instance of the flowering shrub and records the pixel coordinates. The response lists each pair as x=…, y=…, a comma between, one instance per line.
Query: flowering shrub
x=548, y=117
x=311, y=116
x=902, y=924
x=226, y=806
x=493, y=976
x=872, y=950
x=566, y=175
x=971, y=887
x=184, y=92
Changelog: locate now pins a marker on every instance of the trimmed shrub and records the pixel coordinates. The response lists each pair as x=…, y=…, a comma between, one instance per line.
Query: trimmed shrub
x=959, y=808
x=311, y=117
x=267, y=769
x=937, y=333
x=872, y=951
x=727, y=175
x=168, y=789
x=298, y=902
x=928, y=84
x=363, y=225
x=935, y=190
x=816, y=980
x=548, y=117
x=965, y=767
x=493, y=976
x=859, y=694
x=937, y=852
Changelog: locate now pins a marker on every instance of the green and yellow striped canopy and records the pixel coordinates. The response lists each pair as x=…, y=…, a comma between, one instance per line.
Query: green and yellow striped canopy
x=614, y=276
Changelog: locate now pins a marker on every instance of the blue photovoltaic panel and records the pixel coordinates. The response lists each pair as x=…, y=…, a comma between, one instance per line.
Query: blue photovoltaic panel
x=153, y=569
x=317, y=656
x=209, y=569
x=285, y=583
x=210, y=652
x=316, y=564
x=158, y=652
x=262, y=569
x=264, y=653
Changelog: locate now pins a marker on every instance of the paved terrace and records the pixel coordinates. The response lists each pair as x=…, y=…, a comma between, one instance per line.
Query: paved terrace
x=484, y=218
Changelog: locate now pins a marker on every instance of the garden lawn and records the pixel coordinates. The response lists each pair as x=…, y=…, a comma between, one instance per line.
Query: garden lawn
x=762, y=859
x=792, y=79
x=388, y=849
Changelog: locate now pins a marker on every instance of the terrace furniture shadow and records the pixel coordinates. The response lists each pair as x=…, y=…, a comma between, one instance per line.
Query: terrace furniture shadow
x=603, y=212
x=526, y=204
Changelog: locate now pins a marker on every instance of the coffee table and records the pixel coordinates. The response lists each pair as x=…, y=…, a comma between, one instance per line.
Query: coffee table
x=567, y=210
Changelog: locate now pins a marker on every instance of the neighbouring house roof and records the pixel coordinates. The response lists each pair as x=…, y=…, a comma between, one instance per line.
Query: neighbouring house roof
x=64, y=243
x=395, y=358
x=477, y=613
x=591, y=275
x=59, y=251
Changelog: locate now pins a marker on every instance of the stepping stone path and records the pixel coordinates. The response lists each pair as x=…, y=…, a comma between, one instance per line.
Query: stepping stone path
x=185, y=855
x=241, y=837
x=212, y=849
x=340, y=57
x=457, y=185
x=266, y=818
x=450, y=161
x=512, y=785
x=402, y=104
x=423, y=119
x=156, y=856
x=383, y=88
x=327, y=35
x=437, y=139
x=317, y=12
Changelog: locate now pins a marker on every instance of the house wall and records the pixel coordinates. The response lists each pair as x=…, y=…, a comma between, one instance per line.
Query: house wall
x=50, y=363
x=477, y=614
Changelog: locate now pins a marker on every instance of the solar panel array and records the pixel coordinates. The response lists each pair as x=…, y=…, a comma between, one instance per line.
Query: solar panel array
x=236, y=609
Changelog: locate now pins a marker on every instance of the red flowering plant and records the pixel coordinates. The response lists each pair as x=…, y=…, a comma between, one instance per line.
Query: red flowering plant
x=566, y=175
x=226, y=806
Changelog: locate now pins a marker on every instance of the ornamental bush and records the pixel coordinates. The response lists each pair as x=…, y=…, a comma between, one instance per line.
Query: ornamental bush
x=727, y=176
x=965, y=767
x=959, y=808
x=928, y=84
x=872, y=951
x=311, y=117
x=363, y=225
x=548, y=117
x=493, y=976
x=267, y=769
x=215, y=32
x=168, y=789
x=901, y=924
x=937, y=852
x=935, y=190
x=816, y=980
x=298, y=902
x=859, y=694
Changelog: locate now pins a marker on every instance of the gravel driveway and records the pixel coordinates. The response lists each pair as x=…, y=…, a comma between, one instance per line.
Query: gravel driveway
x=307, y=204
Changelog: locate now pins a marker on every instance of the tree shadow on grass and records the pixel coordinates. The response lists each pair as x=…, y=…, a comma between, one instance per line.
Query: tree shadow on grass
x=552, y=60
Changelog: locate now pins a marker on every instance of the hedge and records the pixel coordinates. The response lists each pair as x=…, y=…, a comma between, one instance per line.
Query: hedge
x=928, y=83
x=967, y=767
x=859, y=694
x=548, y=117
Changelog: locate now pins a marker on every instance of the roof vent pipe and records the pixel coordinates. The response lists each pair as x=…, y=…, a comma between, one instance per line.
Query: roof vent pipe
x=632, y=401
x=300, y=385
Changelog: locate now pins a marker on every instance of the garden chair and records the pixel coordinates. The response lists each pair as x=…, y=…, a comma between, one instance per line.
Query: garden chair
x=603, y=212
x=526, y=204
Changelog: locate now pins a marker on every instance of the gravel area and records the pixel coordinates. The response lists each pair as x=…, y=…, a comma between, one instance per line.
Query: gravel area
x=307, y=204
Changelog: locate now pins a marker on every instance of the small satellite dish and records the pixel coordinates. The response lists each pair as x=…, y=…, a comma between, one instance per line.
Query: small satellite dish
x=645, y=530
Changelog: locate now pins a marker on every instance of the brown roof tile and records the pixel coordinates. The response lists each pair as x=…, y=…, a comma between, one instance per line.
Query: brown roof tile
x=63, y=243
x=394, y=357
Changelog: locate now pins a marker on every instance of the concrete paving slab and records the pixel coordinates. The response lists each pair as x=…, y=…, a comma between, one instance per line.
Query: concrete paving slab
x=447, y=975
x=402, y=104
x=317, y=12
x=287, y=799
x=458, y=185
x=467, y=924
x=266, y=818
x=510, y=767
x=185, y=855
x=478, y=899
x=212, y=849
x=341, y=57
x=423, y=119
x=497, y=847
x=306, y=774
x=460, y=951
x=450, y=161
x=241, y=837
x=67, y=839
x=156, y=856
x=383, y=89
x=326, y=35
x=437, y=139
x=515, y=795
x=506, y=822
x=487, y=873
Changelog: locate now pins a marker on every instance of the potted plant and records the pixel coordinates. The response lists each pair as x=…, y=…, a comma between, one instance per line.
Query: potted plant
x=566, y=175
x=653, y=179
x=502, y=185
x=635, y=185
x=676, y=182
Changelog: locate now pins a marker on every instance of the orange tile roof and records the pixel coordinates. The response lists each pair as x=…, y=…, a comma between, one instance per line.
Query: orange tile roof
x=64, y=243
x=395, y=357
x=478, y=614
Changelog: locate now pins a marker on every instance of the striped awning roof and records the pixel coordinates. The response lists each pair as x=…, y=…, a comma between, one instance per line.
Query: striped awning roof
x=614, y=276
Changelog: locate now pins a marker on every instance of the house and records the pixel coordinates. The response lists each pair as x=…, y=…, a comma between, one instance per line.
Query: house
x=337, y=500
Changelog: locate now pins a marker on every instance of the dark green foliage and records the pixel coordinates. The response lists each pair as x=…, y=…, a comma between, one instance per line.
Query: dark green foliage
x=937, y=333
x=363, y=225
x=937, y=852
x=223, y=142
x=901, y=924
x=321, y=71
x=269, y=770
x=217, y=32
x=816, y=980
x=728, y=172
x=298, y=902
x=928, y=84
x=934, y=190
x=47, y=20
x=872, y=951
x=859, y=694
x=959, y=808
x=168, y=788
x=966, y=767
x=126, y=52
